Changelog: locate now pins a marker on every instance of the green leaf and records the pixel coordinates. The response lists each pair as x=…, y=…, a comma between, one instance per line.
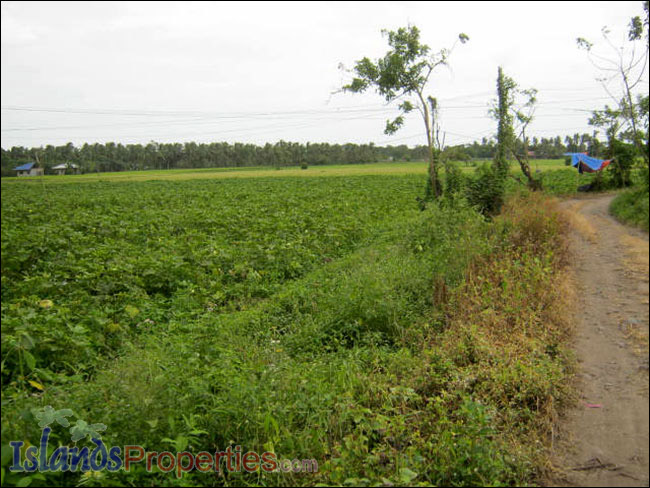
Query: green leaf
x=48, y=415
x=26, y=341
x=61, y=416
x=7, y=454
x=82, y=429
x=29, y=360
x=131, y=311
x=181, y=443
x=24, y=481
x=406, y=475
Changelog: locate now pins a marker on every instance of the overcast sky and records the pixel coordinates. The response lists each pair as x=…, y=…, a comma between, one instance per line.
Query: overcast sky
x=260, y=72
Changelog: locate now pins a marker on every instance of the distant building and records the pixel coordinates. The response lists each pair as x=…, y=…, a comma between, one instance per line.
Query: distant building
x=28, y=169
x=531, y=154
x=60, y=169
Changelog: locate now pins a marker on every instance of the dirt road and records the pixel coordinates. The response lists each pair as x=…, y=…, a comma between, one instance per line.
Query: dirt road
x=603, y=441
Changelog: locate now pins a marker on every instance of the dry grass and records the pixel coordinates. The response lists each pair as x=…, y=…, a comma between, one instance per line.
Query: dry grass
x=510, y=323
x=636, y=255
x=580, y=223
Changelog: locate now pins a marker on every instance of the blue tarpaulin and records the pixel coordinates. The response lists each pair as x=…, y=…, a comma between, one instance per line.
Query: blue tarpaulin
x=587, y=163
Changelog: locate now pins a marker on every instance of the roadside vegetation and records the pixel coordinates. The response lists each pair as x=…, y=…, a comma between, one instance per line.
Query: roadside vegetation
x=631, y=207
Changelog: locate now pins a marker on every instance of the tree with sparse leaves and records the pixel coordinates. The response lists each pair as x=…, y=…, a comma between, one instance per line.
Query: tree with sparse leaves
x=624, y=76
x=402, y=74
x=513, y=109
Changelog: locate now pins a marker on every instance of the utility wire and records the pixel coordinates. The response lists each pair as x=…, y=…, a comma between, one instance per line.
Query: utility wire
x=239, y=115
x=300, y=118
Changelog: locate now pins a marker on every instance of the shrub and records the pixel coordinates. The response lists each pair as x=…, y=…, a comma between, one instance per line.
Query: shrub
x=621, y=168
x=631, y=207
x=486, y=189
x=455, y=181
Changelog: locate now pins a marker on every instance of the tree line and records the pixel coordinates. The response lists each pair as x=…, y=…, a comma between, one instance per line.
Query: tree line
x=119, y=157
x=539, y=147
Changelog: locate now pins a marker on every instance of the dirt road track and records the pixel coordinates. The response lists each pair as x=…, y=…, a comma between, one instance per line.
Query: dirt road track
x=603, y=440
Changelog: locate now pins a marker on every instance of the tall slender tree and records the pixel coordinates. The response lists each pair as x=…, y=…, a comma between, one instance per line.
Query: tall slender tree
x=514, y=109
x=505, y=132
x=403, y=74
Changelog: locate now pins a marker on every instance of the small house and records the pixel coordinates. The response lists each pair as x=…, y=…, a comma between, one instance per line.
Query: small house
x=28, y=169
x=60, y=169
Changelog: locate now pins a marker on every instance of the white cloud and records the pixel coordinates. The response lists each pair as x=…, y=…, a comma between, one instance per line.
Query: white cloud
x=251, y=57
x=13, y=31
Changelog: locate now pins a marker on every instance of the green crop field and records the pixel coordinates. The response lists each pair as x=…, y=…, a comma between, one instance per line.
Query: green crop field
x=99, y=251
x=299, y=312
x=264, y=172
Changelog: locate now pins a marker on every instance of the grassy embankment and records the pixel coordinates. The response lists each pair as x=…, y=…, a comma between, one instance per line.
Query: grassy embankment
x=631, y=207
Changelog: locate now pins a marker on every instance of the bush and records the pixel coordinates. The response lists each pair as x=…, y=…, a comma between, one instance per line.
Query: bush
x=620, y=175
x=631, y=207
x=486, y=189
x=455, y=181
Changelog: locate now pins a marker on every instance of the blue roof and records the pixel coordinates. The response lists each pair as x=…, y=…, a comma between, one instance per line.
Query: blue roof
x=24, y=167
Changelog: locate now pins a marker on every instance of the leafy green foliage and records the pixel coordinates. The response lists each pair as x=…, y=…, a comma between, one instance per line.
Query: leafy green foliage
x=299, y=315
x=624, y=159
x=403, y=70
x=486, y=189
x=218, y=157
x=502, y=113
x=514, y=106
x=93, y=158
x=185, y=248
x=48, y=415
x=82, y=429
x=631, y=207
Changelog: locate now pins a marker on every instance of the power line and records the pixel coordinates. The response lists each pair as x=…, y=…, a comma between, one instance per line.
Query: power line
x=239, y=115
x=191, y=121
x=172, y=113
x=255, y=131
x=214, y=120
x=303, y=118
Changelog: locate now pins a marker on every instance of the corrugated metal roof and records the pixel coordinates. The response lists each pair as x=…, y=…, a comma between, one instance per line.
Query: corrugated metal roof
x=24, y=167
